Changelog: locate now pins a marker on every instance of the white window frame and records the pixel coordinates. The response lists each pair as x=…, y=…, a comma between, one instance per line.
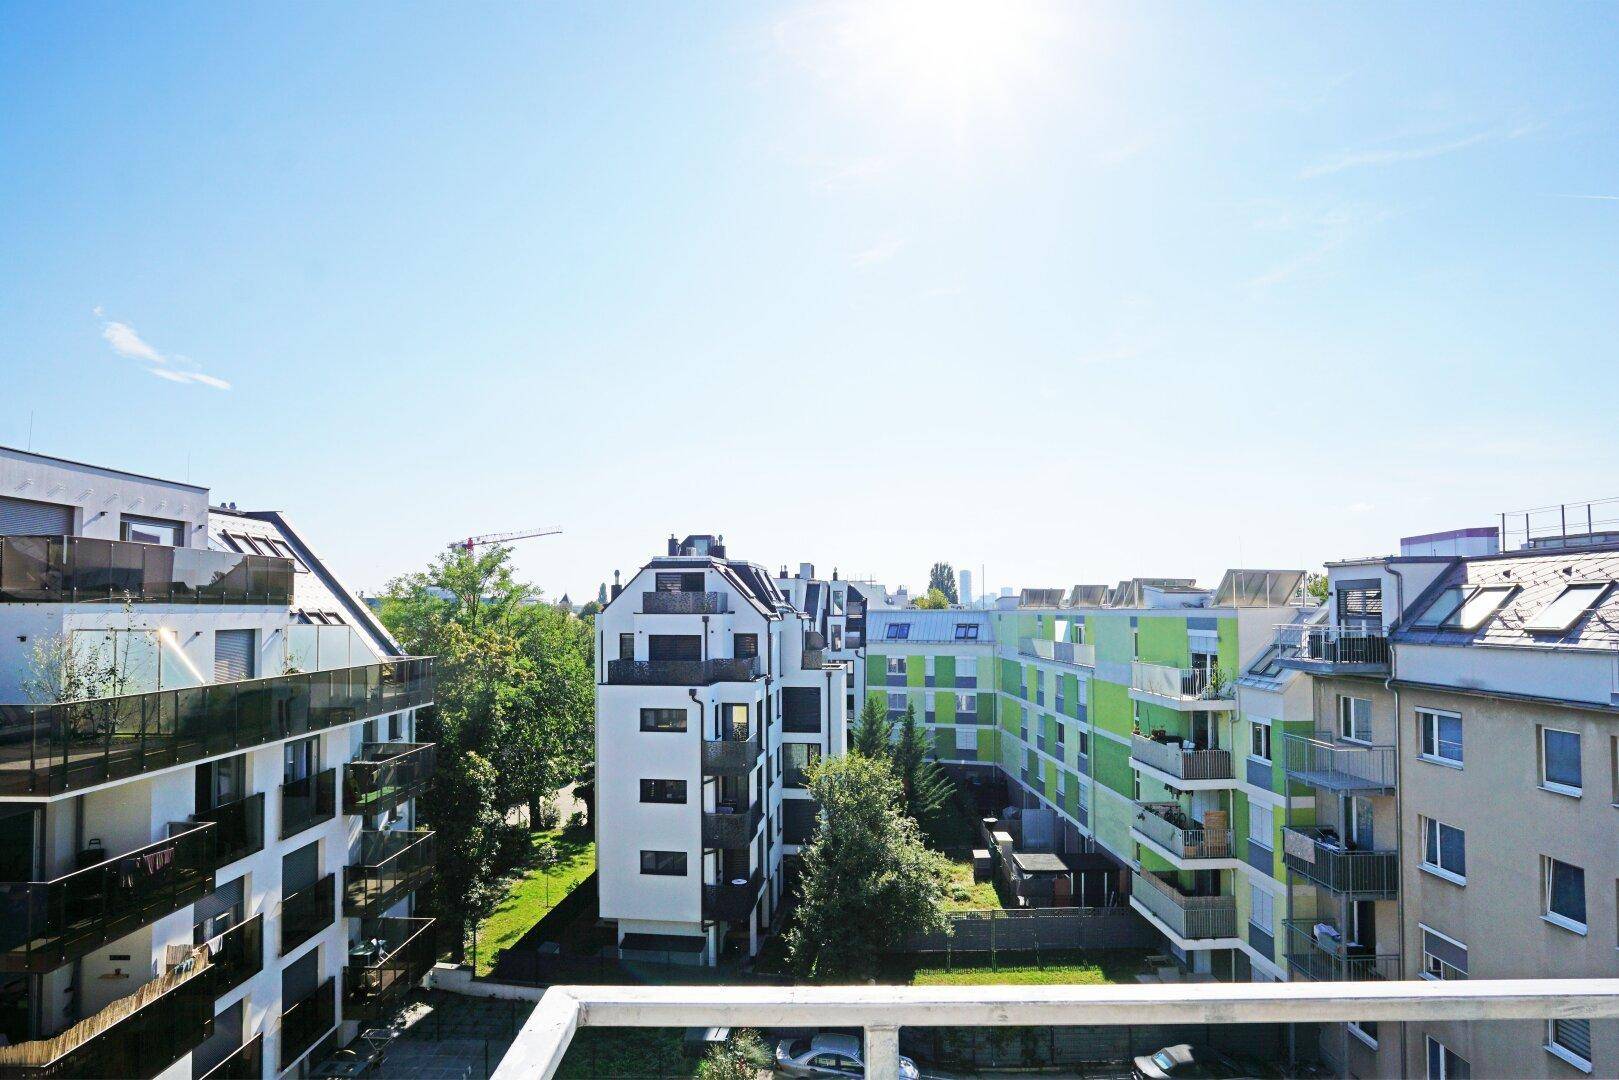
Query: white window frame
x=1257, y=812
x=1267, y=924
x=1444, y=1072
x=1573, y=926
x=1432, y=825
x=896, y=701
x=896, y=665
x=1431, y=961
x=967, y=703
x=1428, y=727
x=1346, y=719
x=1551, y=785
x=966, y=666
x=1558, y=1050
x=1255, y=728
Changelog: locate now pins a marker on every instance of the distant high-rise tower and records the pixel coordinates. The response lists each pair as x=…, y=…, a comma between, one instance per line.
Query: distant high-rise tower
x=966, y=588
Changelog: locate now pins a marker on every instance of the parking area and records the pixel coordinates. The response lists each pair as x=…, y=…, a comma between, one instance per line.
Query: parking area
x=448, y=1037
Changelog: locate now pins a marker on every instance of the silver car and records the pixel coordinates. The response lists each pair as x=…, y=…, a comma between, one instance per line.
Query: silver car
x=829, y=1056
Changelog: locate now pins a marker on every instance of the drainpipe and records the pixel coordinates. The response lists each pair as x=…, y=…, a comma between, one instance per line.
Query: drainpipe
x=1399, y=804
x=705, y=638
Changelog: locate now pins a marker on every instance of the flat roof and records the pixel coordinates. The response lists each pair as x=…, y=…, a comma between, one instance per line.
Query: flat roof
x=102, y=468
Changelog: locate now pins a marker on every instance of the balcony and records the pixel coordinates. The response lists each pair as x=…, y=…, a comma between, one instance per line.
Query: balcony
x=681, y=672
x=139, y=1035
x=1165, y=826
x=238, y=955
x=812, y=659
x=732, y=827
x=239, y=827
x=1321, y=957
x=48, y=923
x=393, y=864
x=1324, y=762
x=308, y=802
x=385, y=775
x=307, y=912
x=394, y=955
x=306, y=1022
x=246, y=1062
x=682, y=603
x=1059, y=652
x=51, y=749
x=82, y=569
x=1180, y=767
x=1332, y=650
x=1319, y=856
x=1183, y=689
x=1188, y=918
x=733, y=901
x=731, y=756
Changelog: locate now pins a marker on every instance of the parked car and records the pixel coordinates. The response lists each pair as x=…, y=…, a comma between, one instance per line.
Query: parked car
x=829, y=1056
x=1184, y=1061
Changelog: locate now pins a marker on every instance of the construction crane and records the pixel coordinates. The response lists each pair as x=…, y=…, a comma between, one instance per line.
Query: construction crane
x=472, y=542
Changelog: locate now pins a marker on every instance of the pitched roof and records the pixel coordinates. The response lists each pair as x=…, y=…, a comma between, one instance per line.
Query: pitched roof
x=931, y=625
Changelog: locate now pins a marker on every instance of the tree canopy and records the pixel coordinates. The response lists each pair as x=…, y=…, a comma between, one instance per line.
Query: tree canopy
x=933, y=598
x=943, y=578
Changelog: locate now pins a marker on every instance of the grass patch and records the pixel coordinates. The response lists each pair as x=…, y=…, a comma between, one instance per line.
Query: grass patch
x=1070, y=968
x=967, y=894
x=954, y=832
x=536, y=890
x=626, y=1052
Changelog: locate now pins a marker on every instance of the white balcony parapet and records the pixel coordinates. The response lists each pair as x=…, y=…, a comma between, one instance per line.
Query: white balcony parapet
x=882, y=1010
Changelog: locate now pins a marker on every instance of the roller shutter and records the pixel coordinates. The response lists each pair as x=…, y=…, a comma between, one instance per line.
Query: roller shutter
x=22, y=517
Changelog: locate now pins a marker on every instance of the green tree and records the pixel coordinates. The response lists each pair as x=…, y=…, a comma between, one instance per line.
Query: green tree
x=926, y=786
x=943, y=578
x=1315, y=585
x=868, y=881
x=874, y=730
x=743, y=1056
x=932, y=599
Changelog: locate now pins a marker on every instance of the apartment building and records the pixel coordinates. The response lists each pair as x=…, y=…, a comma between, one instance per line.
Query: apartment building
x=715, y=694
x=1115, y=722
x=207, y=782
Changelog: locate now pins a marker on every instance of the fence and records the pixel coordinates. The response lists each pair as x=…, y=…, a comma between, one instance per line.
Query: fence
x=1027, y=930
x=1045, y=1047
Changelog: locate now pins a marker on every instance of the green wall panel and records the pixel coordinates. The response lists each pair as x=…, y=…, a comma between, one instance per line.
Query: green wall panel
x=944, y=671
x=1230, y=652
x=1110, y=765
x=1111, y=708
x=1164, y=640
x=916, y=669
x=876, y=670
x=944, y=707
x=988, y=744
x=1111, y=636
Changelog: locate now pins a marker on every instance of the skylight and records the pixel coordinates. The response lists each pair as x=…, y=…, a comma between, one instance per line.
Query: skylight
x=1570, y=604
x=899, y=631
x=1443, y=607
x=1479, y=607
x=966, y=631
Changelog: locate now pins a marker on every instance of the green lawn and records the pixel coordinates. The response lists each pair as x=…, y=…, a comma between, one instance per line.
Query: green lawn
x=535, y=892
x=953, y=832
x=1087, y=969
x=626, y=1052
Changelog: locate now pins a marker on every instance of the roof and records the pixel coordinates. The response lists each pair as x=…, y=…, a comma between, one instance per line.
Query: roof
x=103, y=469
x=1039, y=862
x=1533, y=580
x=935, y=626
x=1263, y=672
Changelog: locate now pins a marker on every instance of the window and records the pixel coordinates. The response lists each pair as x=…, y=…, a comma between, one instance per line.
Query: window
x=898, y=631
x=966, y=667
x=1262, y=910
x=300, y=759
x=966, y=631
x=1443, y=958
x=1259, y=736
x=1571, y=1041
x=745, y=646
x=1570, y=604
x=664, y=863
x=1479, y=607
x=798, y=757
x=663, y=719
x=1560, y=761
x=1441, y=736
x=1563, y=894
x=1444, y=850
x=966, y=703
x=801, y=709
x=234, y=654
x=896, y=702
x=626, y=646
x=896, y=665
x=1261, y=825
x=152, y=531
x=1082, y=743
x=1441, y=608
x=734, y=721
x=1355, y=719
x=663, y=791
x=1444, y=1064
x=1267, y=666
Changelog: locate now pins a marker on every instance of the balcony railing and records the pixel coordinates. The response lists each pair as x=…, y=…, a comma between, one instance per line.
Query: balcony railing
x=1321, y=958
x=682, y=603
x=733, y=900
x=1318, y=855
x=50, y=749
x=1184, y=764
x=1332, y=648
x=246, y=1062
x=393, y=864
x=1059, y=652
x=393, y=956
x=48, y=923
x=1181, y=684
x=305, y=1022
x=812, y=659
x=681, y=672
x=75, y=569
x=385, y=775
x=238, y=955
x=881, y=1011
x=307, y=912
x=1172, y=829
x=733, y=828
x=239, y=827
x=139, y=1035
x=307, y=802
x=730, y=756
x=1190, y=917
x=1324, y=762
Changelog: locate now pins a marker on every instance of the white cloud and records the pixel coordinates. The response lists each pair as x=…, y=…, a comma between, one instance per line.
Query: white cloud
x=177, y=369
x=1361, y=508
x=880, y=252
x=125, y=342
x=170, y=374
x=1378, y=156
x=1598, y=198
x=209, y=380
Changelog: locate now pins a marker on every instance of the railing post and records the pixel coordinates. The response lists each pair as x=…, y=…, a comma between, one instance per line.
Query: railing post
x=882, y=1052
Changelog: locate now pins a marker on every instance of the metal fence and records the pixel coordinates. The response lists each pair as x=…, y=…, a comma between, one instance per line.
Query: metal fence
x=992, y=931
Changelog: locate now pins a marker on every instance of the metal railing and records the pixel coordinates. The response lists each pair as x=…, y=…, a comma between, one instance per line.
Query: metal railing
x=733, y=828
x=1317, y=855
x=681, y=672
x=394, y=955
x=1190, y=917
x=1330, y=645
x=1172, y=829
x=239, y=827
x=304, y=1022
x=1323, y=959
x=730, y=755
x=1185, y=764
x=54, y=748
x=731, y=901
x=238, y=954
x=1323, y=761
x=1186, y=684
x=246, y=1062
x=307, y=912
x=393, y=863
x=81, y=569
x=1059, y=652
x=812, y=659
x=386, y=774
x=682, y=603
x=48, y=923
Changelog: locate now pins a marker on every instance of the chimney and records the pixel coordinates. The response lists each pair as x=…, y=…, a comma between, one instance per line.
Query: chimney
x=806, y=569
x=617, y=588
x=674, y=545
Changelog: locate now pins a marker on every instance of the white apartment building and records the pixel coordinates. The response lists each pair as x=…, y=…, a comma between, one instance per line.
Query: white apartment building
x=207, y=782
x=715, y=693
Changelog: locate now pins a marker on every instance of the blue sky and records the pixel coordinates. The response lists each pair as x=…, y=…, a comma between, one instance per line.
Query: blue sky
x=1067, y=292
